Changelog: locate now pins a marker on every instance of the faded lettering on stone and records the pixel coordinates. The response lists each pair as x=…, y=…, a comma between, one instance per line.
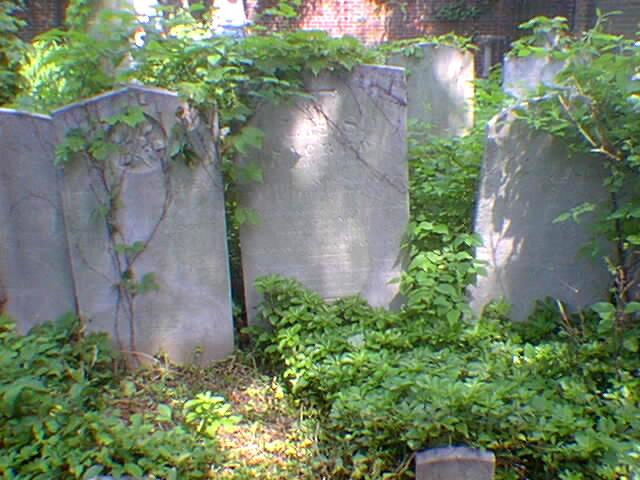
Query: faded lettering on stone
x=333, y=205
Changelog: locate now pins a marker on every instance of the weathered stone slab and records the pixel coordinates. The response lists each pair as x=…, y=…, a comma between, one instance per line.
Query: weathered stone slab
x=523, y=75
x=333, y=206
x=134, y=213
x=528, y=180
x=439, y=87
x=455, y=463
x=35, y=276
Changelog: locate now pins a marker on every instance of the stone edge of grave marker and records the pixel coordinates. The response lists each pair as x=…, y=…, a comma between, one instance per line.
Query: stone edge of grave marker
x=64, y=292
x=477, y=293
x=222, y=347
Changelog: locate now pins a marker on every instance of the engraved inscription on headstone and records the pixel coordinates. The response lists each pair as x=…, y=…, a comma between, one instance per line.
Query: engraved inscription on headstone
x=455, y=463
x=147, y=236
x=528, y=180
x=439, y=87
x=35, y=277
x=333, y=206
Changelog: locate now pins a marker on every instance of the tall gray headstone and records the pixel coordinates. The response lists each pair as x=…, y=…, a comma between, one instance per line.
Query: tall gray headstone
x=523, y=75
x=455, y=463
x=333, y=206
x=528, y=180
x=132, y=214
x=439, y=87
x=35, y=277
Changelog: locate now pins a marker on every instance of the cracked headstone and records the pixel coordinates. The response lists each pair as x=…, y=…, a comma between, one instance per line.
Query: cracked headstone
x=455, y=463
x=147, y=233
x=35, y=276
x=333, y=203
x=528, y=180
x=523, y=75
x=439, y=87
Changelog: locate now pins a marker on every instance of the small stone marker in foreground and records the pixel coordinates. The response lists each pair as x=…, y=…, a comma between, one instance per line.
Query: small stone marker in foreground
x=455, y=463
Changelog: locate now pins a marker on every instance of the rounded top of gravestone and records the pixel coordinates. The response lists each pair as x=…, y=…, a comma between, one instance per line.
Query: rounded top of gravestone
x=21, y=113
x=454, y=453
x=113, y=94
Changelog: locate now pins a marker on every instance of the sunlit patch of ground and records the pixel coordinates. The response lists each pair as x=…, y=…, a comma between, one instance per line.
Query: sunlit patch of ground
x=275, y=438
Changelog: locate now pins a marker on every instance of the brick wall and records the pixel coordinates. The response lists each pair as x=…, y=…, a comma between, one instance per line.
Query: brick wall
x=627, y=23
x=375, y=21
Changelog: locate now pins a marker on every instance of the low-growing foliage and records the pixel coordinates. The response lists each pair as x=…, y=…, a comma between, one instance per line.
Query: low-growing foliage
x=55, y=421
x=550, y=401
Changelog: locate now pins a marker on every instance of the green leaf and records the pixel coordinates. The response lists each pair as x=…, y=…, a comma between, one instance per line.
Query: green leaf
x=632, y=307
x=631, y=344
x=447, y=289
x=604, y=309
x=148, y=283
x=92, y=472
x=134, y=470
x=254, y=172
x=165, y=414
x=633, y=239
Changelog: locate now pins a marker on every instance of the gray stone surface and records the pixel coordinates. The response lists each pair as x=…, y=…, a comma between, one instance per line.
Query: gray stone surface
x=528, y=180
x=35, y=277
x=177, y=212
x=439, y=87
x=333, y=206
x=455, y=463
x=523, y=75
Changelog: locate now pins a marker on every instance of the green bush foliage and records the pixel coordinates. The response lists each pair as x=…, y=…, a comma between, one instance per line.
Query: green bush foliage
x=11, y=50
x=551, y=401
x=55, y=421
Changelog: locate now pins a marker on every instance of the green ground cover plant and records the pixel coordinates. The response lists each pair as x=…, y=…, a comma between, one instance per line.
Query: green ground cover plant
x=55, y=418
x=552, y=400
x=68, y=411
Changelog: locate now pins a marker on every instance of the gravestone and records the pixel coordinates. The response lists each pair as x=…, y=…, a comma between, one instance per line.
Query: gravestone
x=137, y=220
x=528, y=180
x=35, y=277
x=439, y=87
x=523, y=75
x=455, y=463
x=333, y=206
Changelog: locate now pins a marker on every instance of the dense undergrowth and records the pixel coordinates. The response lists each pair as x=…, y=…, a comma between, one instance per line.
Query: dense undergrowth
x=55, y=421
x=551, y=400
x=68, y=411
x=555, y=399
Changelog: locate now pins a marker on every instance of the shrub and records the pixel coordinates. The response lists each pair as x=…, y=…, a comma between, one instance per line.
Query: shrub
x=551, y=401
x=55, y=423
